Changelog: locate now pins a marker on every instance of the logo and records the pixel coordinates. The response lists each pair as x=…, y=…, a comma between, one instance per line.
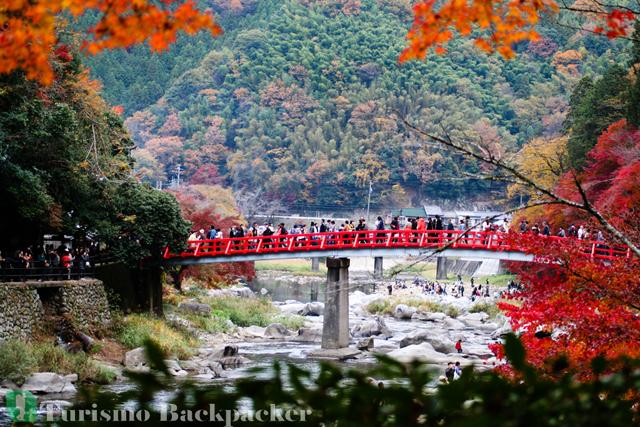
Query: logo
x=22, y=406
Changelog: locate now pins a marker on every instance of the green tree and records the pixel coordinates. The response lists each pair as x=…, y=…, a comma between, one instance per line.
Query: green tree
x=593, y=107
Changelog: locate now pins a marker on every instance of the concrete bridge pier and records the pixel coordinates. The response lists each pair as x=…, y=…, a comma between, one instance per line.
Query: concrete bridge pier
x=335, y=329
x=315, y=264
x=441, y=268
x=378, y=270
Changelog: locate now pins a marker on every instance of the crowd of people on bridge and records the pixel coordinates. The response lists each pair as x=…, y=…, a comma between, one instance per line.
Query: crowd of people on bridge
x=445, y=229
x=581, y=232
x=414, y=223
x=330, y=226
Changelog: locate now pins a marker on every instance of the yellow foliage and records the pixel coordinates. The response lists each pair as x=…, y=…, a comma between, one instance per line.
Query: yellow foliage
x=219, y=198
x=543, y=161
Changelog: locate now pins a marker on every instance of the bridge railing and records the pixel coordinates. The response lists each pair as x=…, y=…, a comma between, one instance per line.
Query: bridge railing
x=375, y=239
x=44, y=274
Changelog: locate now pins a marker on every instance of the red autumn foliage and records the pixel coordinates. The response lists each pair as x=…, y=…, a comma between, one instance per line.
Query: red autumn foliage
x=206, y=174
x=590, y=308
x=202, y=215
x=610, y=180
x=63, y=54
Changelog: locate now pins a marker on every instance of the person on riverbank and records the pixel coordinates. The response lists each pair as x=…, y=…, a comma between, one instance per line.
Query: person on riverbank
x=450, y=372
x=457, y=371
x=459, y=346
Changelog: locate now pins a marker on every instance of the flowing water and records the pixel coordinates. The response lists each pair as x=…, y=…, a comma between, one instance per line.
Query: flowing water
x=263, y=353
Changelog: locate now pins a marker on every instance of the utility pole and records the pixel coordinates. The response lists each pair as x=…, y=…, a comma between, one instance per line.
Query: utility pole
x=369, y=200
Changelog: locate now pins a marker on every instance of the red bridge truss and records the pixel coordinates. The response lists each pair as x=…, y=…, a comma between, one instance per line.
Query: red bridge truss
x=315, y=244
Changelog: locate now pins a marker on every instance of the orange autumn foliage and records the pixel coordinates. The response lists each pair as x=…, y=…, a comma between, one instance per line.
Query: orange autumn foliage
x=28, y=28
x=502, y=24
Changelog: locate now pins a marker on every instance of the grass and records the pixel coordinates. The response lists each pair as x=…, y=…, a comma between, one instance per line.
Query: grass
x=425, y=269
x=292, y=322
x=491, y=309
x=215, y=323
x=386, y=306
x=297, y=266
x=19, y=359
x=243, y=311
x=133, y=330
x=499, y=279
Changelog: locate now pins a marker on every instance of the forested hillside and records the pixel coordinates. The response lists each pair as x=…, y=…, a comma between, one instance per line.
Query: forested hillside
x=300, y=97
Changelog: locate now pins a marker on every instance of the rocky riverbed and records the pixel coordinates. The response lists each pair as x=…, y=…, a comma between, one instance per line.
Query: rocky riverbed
x=407, y=333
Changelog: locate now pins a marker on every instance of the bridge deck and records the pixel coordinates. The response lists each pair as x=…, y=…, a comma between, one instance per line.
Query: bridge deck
x=385, y=243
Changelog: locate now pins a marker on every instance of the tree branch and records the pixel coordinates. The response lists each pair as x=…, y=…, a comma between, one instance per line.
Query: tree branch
x=473, y=152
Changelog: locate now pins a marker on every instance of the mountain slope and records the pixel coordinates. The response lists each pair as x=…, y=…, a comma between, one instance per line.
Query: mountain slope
x=300, y=98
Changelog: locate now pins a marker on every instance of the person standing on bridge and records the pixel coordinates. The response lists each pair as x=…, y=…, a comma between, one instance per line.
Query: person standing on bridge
x=213, y=233
x=380, y=227
x=282, y=231
x=450, y=228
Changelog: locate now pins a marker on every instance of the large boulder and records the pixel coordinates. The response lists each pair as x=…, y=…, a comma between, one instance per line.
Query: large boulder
x=365, y=344
x=195, y=308
x=383, y=346
x=423, y=352
x=252, y=331
x=135, y=358
x=429, y=317
x=242, y=292
x=219, y=357
x=501, y=331
x=474, y=317
x=415, y=337
x=233, y=362
x=50, y=382
x=292, y=307
x=174, y=368
x=440, y=343
x=312, y=309
x=371, y=327
x=451, y=323
x=308, y=335
x=403, y=311
x=276, y=330
x=218, y=352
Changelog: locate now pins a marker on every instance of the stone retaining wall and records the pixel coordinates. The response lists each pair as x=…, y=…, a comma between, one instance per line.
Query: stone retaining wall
x=21, y=312
x=25, y=305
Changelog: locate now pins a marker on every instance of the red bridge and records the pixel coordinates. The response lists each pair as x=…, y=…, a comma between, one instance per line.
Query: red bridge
x=372, y=243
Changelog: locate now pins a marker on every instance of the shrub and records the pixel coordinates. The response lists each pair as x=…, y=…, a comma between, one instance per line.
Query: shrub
x=213, y=324
x=491, y=309
x=293, y=322
x=379, y=306
x=137, y=328
x=52, y=358
x=452, y=311
x=387, y=305
x=244, y=311
x=16, y=361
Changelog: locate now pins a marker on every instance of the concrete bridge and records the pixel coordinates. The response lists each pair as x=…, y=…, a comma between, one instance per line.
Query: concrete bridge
x=339, y=247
